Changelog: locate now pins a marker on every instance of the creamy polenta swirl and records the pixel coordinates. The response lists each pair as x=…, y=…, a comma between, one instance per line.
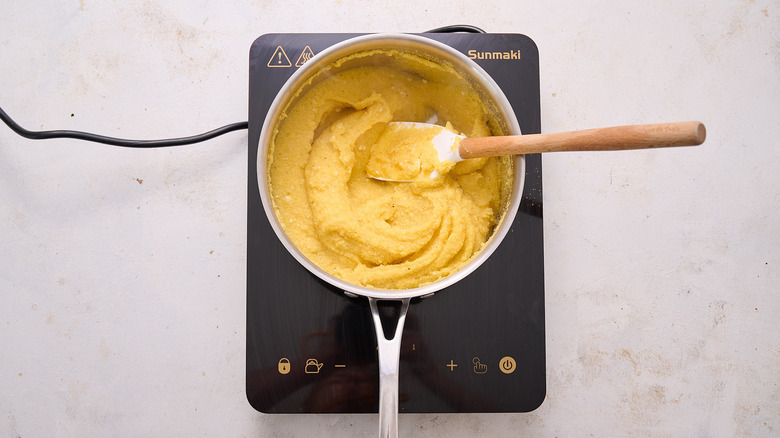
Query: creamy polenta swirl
x=377, y=234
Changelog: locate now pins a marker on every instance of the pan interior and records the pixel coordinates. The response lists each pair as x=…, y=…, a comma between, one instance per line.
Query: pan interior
x=345, y=66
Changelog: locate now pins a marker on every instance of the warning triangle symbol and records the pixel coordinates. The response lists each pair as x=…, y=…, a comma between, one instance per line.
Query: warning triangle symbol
x=305, y=56
x=279, y=58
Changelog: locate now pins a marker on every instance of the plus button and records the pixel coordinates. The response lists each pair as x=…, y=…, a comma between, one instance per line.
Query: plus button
x=452, y=365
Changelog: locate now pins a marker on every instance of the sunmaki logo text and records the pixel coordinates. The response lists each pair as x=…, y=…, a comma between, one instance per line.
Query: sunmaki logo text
x=511, y=54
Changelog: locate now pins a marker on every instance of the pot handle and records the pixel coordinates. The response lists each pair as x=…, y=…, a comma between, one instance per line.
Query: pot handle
x=389, y=361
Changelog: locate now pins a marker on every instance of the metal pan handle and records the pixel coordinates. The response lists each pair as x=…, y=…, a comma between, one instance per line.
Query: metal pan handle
x=389, y=361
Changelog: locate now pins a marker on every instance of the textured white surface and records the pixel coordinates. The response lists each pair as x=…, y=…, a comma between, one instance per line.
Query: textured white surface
x=122, y=271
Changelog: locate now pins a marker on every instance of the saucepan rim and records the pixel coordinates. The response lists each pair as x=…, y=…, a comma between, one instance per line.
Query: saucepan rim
x=414, y=42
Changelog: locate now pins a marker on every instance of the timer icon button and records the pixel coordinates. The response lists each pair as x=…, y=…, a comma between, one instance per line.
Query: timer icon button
x=507, y=365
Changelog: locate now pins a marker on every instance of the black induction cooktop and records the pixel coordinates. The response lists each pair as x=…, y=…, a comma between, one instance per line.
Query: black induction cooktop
x=477, y=346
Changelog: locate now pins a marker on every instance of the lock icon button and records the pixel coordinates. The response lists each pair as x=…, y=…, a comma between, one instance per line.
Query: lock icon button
x=284, y=365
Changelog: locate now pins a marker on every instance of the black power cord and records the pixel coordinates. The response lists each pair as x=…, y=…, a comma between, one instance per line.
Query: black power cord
x=80, y=135
x=467, y=28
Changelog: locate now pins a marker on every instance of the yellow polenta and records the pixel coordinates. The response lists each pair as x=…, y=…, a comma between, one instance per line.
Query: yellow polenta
x=377, y=234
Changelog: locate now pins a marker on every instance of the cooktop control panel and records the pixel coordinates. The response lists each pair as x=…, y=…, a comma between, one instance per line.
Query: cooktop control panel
x=477, y=346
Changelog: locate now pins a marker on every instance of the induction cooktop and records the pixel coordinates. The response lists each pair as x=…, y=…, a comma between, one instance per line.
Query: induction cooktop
x=476, y=346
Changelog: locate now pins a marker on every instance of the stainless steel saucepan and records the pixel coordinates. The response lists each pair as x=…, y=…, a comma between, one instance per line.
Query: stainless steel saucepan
x=310, y=74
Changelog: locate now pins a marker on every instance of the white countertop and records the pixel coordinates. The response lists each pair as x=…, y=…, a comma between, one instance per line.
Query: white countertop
x=122, y=272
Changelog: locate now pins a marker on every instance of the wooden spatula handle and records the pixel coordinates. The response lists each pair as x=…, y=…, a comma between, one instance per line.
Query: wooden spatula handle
x=599, y=139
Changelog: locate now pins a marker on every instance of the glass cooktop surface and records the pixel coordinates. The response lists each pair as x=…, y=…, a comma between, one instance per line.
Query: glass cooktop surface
x=476, y=346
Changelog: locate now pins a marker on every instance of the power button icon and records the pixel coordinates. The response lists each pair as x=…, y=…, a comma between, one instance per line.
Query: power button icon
x=507, y=365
